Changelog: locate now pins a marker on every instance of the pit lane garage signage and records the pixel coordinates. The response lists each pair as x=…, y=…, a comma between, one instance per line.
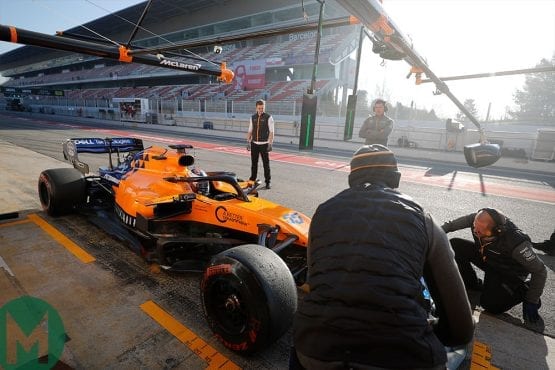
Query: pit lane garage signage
x=32, y=334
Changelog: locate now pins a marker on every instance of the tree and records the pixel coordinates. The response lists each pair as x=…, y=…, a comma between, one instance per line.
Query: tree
x=362, y=98
x=470, y=105
x=536, y=100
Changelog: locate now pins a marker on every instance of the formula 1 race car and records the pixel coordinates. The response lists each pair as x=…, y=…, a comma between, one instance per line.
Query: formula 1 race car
x=252, y=252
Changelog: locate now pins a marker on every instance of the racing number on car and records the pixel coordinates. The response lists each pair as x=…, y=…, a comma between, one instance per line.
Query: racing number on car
x=293, y=218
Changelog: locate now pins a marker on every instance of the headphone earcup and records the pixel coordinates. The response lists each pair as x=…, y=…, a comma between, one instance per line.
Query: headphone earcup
x=499, y=220
x=379, y=101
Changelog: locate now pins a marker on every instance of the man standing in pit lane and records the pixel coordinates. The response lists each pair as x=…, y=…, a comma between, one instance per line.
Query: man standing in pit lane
x=260, y=137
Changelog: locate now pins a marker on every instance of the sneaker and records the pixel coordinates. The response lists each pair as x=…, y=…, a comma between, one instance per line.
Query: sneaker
x=268, y=185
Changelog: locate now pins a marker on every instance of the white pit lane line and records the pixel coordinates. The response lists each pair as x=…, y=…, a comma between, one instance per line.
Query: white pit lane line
x=5, y=266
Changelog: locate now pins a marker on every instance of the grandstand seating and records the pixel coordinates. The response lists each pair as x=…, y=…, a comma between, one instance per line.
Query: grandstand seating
x=273, y=90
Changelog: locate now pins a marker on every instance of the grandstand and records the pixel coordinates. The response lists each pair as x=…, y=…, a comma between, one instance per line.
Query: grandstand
x=277, y=68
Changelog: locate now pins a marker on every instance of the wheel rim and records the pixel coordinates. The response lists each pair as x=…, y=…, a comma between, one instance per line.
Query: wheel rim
x=44, y=195
x=227, y=307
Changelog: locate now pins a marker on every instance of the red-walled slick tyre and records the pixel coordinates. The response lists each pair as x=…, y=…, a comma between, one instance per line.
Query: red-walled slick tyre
x=249, y=297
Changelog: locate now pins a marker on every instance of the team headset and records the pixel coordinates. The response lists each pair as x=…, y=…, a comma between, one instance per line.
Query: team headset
x=500, y=220
x=379, y=101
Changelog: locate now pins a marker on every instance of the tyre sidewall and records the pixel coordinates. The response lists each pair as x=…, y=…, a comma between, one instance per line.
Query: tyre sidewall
x=61, y=190
x=231, y=272
x=267, y=290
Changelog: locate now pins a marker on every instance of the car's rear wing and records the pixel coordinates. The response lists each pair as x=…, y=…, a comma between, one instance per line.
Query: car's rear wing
x=72, y=147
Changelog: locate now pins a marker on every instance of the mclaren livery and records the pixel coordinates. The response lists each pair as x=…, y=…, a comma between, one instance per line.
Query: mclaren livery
x=252, y=252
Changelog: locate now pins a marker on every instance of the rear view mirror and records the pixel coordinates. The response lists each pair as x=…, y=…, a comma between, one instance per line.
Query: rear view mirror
x=480, y=155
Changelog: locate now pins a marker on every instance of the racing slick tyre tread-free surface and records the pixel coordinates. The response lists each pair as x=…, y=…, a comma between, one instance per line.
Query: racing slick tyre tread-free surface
x=60, y=190
x=249, y=297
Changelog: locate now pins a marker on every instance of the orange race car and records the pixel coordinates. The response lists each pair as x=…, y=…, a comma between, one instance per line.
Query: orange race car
x=252, y=252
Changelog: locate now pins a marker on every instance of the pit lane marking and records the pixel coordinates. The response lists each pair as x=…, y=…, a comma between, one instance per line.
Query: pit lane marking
x=13, y=223
x=202, y=349
x=62, y=239
x=5, y=266
x=481, y=357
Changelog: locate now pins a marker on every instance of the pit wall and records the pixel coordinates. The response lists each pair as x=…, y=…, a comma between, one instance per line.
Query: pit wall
x=533, y=144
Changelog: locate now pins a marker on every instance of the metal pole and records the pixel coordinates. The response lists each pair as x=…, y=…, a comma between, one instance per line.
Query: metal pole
x=359, y=53
x=310, y=99
x=352, y=99
x=317, y=49
x=128, y=44
x=495, y=74
x=117, y=52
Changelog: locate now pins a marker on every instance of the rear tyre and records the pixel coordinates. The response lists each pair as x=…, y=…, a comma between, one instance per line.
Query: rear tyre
x=249, y=297
x=61, y=190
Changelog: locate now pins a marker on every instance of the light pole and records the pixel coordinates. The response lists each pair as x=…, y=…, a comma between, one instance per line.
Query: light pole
x=310, y=100
x=352, y=100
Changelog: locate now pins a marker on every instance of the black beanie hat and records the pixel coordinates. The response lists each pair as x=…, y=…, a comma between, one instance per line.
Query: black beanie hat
x=375, y=164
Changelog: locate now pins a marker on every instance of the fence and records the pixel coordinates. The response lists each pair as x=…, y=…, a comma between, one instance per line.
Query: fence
x=234, y=116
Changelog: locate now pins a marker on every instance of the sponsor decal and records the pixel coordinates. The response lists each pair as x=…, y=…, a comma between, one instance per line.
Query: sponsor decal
x=223, y=215
x=293, y=218
x=122, y=141
x=528, y=254
x=88, y=141
x=96, y=141
x=249, y=74
x=32, y=334
x=124, y=217
x=181, y=65
x=218, y=270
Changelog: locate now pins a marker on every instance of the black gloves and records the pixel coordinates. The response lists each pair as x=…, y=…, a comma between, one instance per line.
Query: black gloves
x=530, y=311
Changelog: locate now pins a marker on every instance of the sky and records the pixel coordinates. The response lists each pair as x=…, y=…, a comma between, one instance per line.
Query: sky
x=456, y=37
x=459, y=37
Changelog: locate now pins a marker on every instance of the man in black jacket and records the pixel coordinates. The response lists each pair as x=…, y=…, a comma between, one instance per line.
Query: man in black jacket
x=505, y=255
x=377, y=127
x=260, y=137
x=368, y=248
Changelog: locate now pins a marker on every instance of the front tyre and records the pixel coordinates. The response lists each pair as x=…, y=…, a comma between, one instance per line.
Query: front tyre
x=249, y=297
x=61, y=190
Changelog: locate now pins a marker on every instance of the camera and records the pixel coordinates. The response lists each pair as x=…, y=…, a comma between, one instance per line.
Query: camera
x=217, y=49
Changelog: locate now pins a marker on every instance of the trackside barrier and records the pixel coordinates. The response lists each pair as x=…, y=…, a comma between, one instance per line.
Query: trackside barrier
x=535, y=145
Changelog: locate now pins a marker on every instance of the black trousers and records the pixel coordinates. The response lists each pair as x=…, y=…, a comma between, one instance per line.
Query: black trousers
x=500, y=292
x=260, y=151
